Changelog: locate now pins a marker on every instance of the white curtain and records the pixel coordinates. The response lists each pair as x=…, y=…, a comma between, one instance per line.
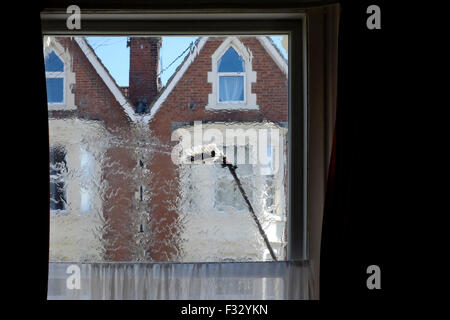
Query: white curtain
x=187, y=281
x=231, y=88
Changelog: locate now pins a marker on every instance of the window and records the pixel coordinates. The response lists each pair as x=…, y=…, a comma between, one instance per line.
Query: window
x=182, y=214
x=232, y=77
x=219, y=224
x=59, y=75
x=227, y=194
x=231, y=73
x=312, y=49
x=58, y=168
x=87, y=180
x=54, y=74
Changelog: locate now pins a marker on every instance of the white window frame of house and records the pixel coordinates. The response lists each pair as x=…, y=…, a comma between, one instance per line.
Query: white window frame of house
x=249, y=102
x=68, y=103
x=231, y=74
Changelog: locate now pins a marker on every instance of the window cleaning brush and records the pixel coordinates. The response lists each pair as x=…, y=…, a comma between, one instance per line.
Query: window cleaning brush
x=211, y=154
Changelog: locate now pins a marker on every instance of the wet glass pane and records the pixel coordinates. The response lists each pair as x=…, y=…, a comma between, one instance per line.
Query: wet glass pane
x=186, y=180
x=55, y=89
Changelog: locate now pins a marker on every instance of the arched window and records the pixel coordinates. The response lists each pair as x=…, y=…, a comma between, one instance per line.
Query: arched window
x=59, y=75
x=54, y=74
x=231, y=77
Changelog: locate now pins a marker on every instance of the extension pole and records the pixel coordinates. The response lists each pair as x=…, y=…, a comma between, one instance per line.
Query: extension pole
x=244, y=195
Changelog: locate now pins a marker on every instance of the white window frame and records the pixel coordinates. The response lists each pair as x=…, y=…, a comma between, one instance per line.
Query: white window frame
x=249, y=102
x=231, y=74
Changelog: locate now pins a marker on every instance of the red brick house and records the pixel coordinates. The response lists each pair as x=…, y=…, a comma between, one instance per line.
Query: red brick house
x=151, y=208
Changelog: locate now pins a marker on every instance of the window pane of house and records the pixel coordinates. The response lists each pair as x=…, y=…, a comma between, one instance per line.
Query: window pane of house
x=55, y=90
x=231, y=61
x=179, y=182
x=227, y=197
x=57, y=177
x=53, y=63
x=231, y=88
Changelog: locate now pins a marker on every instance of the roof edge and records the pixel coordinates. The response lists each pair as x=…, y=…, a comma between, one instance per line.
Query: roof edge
x=280, y=61
x=106, y=77
x=274, y=53
x=174, y=80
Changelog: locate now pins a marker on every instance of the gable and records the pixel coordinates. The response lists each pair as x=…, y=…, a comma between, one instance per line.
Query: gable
x=264, y=41
x=175, y=78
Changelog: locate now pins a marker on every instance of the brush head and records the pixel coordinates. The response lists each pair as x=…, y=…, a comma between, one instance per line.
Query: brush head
x=203, y=154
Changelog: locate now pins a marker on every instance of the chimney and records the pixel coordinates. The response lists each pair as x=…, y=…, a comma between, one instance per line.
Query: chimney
x=144, y=83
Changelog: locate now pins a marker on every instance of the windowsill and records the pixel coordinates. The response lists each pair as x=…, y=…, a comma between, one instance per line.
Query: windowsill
x=230, y=210
x=275, y=217
x=231, y=106
x=59, y=106
x=59, y=212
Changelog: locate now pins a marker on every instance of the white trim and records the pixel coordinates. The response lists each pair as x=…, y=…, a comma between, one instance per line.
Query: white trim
x=228, y=74
x=232, y=105
x=158, y=103
x=54, y=74
x=274, y=53
x=109, y=81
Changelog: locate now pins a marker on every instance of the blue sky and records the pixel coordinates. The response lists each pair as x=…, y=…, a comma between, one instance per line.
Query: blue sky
x=115, y=55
